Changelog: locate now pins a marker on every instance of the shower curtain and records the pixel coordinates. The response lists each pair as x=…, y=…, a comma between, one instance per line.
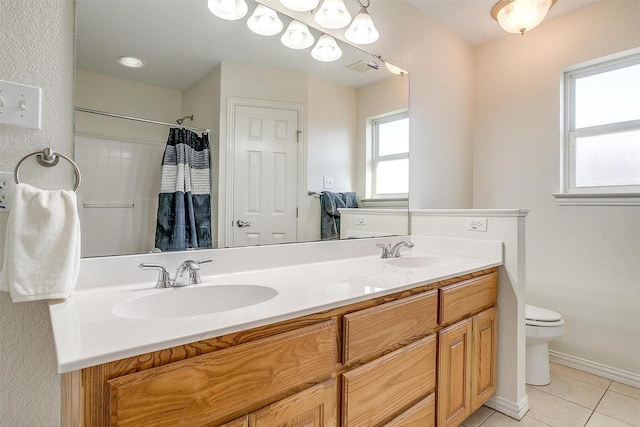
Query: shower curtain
x=184, y=202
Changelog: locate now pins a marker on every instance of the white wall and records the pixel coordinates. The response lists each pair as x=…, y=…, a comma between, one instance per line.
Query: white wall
x=507, y=226
x=395, y=98
x=583, y=262
x=37, y=50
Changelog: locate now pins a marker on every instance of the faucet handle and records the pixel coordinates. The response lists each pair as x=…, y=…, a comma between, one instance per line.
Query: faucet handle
x=194, y=273
x=164, y=280
x=386, y=250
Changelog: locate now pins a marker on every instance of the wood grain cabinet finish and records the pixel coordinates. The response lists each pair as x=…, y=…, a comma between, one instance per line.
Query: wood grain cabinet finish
x=422, y=414
x=202, y=389
x=378, y=328
x=484, y=359
x=382, y=389
x=454, y=373
x=289, y=374
x=462, y=299
x=314, y=407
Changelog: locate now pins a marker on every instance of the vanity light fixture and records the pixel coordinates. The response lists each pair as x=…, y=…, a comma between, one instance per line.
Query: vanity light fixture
x=326, y=50
x=300, y=5
x=130, y=61
x=395, y=70
x=297, y=36
x=362, y=30
x=333, y=14
x=520, y=16
x=230, y=10
x=265, y=21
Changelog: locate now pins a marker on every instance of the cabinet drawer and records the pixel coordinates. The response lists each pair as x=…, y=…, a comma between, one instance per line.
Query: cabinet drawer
x=315, y=406
x=385, y=387
x=461, y=299
x=218, y=385
x=422, y=414
x=377, y=328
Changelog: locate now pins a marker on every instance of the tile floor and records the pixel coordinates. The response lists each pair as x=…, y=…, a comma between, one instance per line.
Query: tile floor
x=573, y=399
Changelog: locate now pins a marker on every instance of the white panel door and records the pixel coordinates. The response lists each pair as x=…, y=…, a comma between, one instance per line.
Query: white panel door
x=265, y=176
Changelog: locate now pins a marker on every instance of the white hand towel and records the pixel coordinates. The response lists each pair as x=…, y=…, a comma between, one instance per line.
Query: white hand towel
x=42, y=246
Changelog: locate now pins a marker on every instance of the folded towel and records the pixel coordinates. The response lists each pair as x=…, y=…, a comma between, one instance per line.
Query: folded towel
x=42, y=245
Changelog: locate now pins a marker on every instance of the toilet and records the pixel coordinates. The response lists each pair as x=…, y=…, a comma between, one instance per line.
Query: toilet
x=543, y=325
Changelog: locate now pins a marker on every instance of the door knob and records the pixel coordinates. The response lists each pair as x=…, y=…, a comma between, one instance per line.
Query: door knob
x=240, y=223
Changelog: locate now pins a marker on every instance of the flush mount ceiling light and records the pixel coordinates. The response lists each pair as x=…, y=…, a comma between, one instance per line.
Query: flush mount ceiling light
x=300, y=5
x=520, y=16
x=362, y=30
x=230, y=10
x=333, y=14
x=265, y=21
x=326, y=50
x=130, y=61
x=297, y=36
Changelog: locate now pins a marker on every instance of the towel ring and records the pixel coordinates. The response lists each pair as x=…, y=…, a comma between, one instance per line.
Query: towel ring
x=48, y=158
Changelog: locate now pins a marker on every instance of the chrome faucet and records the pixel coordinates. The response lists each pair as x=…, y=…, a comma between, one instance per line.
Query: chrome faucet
x=389, y=251
x=394, y=252
x=165, y=281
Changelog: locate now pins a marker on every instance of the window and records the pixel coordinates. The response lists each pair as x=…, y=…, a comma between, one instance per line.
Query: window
x=388, y=171
x=601, y=141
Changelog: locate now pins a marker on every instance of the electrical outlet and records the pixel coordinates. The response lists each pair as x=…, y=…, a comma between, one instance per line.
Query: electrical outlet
x=327, y=182
x=361, y=220
x=477, y=224
x=6, y=190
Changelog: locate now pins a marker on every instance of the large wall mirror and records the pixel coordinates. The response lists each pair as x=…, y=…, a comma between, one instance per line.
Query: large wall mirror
x=213, y=74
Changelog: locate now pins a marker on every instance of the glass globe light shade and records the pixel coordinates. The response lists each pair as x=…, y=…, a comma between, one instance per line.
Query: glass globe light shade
x=326, y=50
x=519, y=16
x=230, y=10
x=362, y=30
x=264, y=21
x=300, y=5
x=332, y=14
x=297, y=36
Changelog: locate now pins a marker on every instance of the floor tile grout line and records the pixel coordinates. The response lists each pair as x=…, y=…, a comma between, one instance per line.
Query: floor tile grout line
x=569, y=401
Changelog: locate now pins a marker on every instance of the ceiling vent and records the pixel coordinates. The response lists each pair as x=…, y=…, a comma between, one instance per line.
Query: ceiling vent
x=363, y=66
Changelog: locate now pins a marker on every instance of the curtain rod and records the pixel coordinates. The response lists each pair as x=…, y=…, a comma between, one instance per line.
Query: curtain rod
x=137, y=119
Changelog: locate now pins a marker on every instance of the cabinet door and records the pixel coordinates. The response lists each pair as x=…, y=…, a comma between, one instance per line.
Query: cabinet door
x=485, y=342
x=313, y=407
x=454, y=373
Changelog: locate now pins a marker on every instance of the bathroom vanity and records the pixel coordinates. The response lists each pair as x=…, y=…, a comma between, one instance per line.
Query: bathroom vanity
x=420, y=332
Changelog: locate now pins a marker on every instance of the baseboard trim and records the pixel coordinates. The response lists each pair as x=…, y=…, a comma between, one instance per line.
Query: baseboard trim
x=617, y=375
x=512, y=409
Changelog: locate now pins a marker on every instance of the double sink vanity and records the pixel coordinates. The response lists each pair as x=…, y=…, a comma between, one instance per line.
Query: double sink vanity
x=297, y=340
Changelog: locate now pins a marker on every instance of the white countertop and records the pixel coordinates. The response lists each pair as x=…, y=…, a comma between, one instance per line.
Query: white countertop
x=87, y=332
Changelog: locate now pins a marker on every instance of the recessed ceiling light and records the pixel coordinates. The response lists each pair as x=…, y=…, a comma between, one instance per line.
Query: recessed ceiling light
x=130, y=61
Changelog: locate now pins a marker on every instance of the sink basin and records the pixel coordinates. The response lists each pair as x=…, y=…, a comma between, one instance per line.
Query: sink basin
x=421, y=261
x=191, y=301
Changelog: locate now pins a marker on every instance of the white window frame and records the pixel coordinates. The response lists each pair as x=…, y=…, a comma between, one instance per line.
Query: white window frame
x=373, y=158
x=602, y=195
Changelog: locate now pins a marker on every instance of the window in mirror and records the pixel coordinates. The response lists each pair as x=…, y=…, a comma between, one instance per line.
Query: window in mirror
x=389, y=171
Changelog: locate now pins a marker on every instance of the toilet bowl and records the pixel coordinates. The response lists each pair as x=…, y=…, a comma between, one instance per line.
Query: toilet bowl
x=542, y=326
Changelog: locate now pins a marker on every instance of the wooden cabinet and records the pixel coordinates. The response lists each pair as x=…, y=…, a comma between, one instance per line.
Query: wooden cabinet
x=467, y=348
x=484, y=359
x=314, y=407
x=210, y=387
x=422, y=414
x=415, y=358
x=454, y=373
x=381, y=389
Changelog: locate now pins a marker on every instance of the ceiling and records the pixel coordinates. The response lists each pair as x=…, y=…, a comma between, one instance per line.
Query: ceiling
x=181, y=41
x=471, y=19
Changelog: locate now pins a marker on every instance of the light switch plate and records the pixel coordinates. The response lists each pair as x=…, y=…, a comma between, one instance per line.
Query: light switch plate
x=20, y=105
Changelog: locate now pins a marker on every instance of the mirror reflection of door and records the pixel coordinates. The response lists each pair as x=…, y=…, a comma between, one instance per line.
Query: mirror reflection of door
x=265, y=175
